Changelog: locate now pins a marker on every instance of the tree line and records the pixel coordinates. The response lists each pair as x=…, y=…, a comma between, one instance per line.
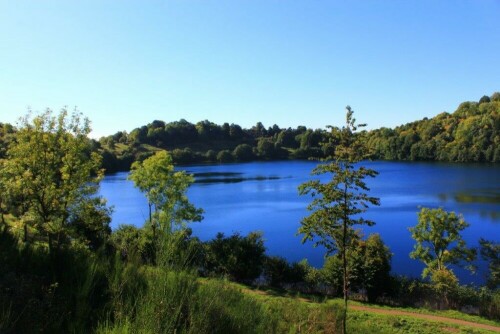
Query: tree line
x=470, y=134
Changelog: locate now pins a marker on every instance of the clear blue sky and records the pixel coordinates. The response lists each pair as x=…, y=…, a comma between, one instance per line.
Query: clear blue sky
x=126, y=63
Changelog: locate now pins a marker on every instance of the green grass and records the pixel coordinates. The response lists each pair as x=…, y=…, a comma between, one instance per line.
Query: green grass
x=443, y=313
x=150, y=148
x=369, y=322
x=365, y=322
x=83, y=293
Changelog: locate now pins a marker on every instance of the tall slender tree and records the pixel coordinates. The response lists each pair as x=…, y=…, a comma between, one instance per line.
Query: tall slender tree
x=337, y=204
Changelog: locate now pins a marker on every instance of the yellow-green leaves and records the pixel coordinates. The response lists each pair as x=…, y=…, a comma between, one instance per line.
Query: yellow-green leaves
x=438, y=240
x=165, y=190
x=49, y=170
x=169, y=207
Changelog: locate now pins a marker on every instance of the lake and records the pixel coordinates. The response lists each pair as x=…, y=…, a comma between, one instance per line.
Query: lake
x=263, y=196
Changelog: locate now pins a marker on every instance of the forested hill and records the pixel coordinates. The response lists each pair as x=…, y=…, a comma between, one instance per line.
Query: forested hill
x=470, y=134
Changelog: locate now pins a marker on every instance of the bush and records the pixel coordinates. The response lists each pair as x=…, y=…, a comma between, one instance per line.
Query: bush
x=183, y=156
x=369, y=266
x=224, y=156
x=276, y=271
x=243, y=152
x=239, y=258
x=64, y=292
x=307, y=153
x=211, y=156
x=489, y=305
x=132, y=242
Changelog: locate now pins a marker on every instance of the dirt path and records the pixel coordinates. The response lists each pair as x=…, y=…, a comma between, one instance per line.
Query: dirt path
x=404, y=313
x=425, y=317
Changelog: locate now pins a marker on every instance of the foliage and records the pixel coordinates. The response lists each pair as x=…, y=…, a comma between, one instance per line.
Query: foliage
x=369, y=265
x=281, y=274
x=224, y=156
x=52, y=175
x=376, y=267
x=490, y=251
x=444, y=283
x=490, y=304
x=243, y=152
x=471, y=134
x=175, y=302
x=165, y=190
x=438, y=240
x=132, y=242
x=66, y=293
x=239, y=258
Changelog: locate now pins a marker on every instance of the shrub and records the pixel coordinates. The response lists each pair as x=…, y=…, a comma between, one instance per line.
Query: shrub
x=224, y=156
x=239, y=258
x=243, y=152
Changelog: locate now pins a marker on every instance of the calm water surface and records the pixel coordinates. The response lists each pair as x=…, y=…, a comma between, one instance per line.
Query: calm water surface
x=263, y=196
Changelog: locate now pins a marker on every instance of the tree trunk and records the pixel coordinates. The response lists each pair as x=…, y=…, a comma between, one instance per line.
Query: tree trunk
x=51, y=248
x=2, y=214
x=153, y=229
x=25, y=228
x=344, y=263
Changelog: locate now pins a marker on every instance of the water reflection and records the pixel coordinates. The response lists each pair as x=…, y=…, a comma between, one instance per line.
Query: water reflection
x=235, y=179
x=472, y=197
x=213, y=174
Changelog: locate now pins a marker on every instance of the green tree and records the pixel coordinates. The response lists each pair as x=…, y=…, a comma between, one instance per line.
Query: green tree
x=490, y=252
x=279, y=273
x=224, y=156
x=438, y=240
x=369, y=264
x=337, y=204
x=5, y=196
x=165, y=189
x=484, y=99
x=495, y=97
x=445, y=283
x=240, y=258
x=131, y=242
x=376, y=266
x=243, y=152
x=266, y=148
x=54, y=175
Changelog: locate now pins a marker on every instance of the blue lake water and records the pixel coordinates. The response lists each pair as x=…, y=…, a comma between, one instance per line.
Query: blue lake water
x=263, y=196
